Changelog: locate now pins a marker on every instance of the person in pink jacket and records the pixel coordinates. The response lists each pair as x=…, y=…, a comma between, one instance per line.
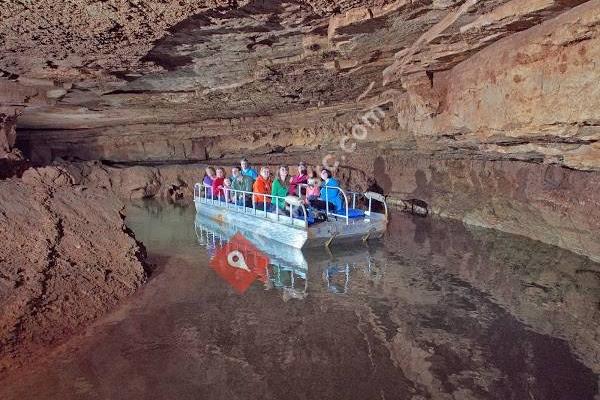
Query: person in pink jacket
x=300, y=178
x=312, y=192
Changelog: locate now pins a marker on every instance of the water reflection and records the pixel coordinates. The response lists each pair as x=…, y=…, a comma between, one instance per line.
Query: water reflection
x=276, y=266
x=435, y=310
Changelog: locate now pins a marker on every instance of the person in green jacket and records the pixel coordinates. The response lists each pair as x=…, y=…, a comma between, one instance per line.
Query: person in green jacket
x=242, y=182
x=281, y=186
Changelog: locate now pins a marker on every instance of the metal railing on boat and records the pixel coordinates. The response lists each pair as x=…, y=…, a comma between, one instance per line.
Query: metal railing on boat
x=292, y=201
x=237, y=200
x=370, y=196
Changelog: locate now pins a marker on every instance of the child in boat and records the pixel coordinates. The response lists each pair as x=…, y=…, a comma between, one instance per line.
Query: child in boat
x=227, y=190
x=217, y=184
x=312, y=192
x=209, y=176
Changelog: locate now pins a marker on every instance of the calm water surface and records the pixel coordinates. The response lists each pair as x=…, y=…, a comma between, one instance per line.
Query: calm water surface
x=435, y=310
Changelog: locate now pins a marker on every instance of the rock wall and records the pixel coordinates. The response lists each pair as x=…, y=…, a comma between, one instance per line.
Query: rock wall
x=11, y=159
x=489, y=112
x=549, y=203
x=66, y=258
x=553, y=204
x=531, y=96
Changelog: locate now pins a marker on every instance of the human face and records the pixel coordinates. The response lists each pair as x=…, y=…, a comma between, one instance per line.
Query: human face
x=324, y=175
x=220, y=173
x=235, y=172
x=283, y=172
x=244, y=165
x=209, y=172
x=265, y=173
x=227, y=182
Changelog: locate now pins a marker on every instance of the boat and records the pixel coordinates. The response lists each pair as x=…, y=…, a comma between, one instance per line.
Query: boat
x=296, y=227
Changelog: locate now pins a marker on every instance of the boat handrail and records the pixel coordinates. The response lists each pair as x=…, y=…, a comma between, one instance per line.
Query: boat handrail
x=377, y=197
x=234, y=193
x=368, y=195
x=346, y=216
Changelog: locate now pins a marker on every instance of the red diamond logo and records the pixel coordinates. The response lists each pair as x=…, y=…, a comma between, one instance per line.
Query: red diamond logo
x=240, y=263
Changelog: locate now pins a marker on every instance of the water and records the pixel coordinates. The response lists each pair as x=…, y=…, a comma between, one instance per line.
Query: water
x=435, y=310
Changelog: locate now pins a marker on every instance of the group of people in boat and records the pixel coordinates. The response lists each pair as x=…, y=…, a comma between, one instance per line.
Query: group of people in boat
x=246, y=186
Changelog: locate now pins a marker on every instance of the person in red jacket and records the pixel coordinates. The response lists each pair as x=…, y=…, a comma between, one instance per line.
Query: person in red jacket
x=217, y=185
x=262, y=185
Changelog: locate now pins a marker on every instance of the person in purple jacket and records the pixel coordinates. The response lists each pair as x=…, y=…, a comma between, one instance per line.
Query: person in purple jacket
x=209, y=176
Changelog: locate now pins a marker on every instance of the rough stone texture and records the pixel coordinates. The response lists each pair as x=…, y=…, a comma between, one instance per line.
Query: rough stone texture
x=11, y=159
x=65, y=259
x=550, y=203
x=275, y=72
x=531, y=96
x=471, y=88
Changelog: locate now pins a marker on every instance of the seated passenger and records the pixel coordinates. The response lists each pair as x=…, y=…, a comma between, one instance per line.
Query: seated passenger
x=328, y=193
x=242, y=183
x=227, y=190
x=262, y=185
x=300, y=178
x=281, y=186
x=312, y=192
x=209, y=176
x=247, y=170
x=217, y=185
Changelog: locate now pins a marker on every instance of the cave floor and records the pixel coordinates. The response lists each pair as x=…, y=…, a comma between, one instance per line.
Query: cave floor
x=435, y=310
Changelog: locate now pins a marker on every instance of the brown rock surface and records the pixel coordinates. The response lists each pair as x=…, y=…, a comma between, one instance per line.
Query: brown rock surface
x=553, y=204
x=489, y=113
x=273, y=72
x=65, y=259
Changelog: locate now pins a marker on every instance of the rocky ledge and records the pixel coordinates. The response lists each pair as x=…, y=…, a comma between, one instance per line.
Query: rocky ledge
x=66, y=258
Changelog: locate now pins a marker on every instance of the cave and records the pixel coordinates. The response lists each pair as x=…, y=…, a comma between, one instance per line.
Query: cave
x=478, y=121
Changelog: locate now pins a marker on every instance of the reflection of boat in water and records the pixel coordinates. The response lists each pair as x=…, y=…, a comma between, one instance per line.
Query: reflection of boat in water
x=242, y=257
x=297, y=226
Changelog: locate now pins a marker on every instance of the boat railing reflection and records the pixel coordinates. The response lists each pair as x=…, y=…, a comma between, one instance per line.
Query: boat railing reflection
x=334, y=271
x=291, y=280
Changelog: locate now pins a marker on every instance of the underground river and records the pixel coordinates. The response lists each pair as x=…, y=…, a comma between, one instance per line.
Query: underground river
x=434, y=310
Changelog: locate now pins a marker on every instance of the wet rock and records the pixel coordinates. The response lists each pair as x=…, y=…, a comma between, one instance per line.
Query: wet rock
x=65, y=259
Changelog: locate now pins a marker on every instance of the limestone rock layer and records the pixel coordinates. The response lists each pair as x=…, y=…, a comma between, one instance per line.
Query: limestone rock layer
x=457, y=85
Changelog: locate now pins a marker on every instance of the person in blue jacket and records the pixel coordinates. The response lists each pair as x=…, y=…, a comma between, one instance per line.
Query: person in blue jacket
x=329, y=193
x=247, y=170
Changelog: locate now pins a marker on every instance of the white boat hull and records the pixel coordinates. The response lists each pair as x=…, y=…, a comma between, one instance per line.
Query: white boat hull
x=294, y=233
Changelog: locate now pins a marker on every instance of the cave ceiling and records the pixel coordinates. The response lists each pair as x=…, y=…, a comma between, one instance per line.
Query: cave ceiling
x=83, y=63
